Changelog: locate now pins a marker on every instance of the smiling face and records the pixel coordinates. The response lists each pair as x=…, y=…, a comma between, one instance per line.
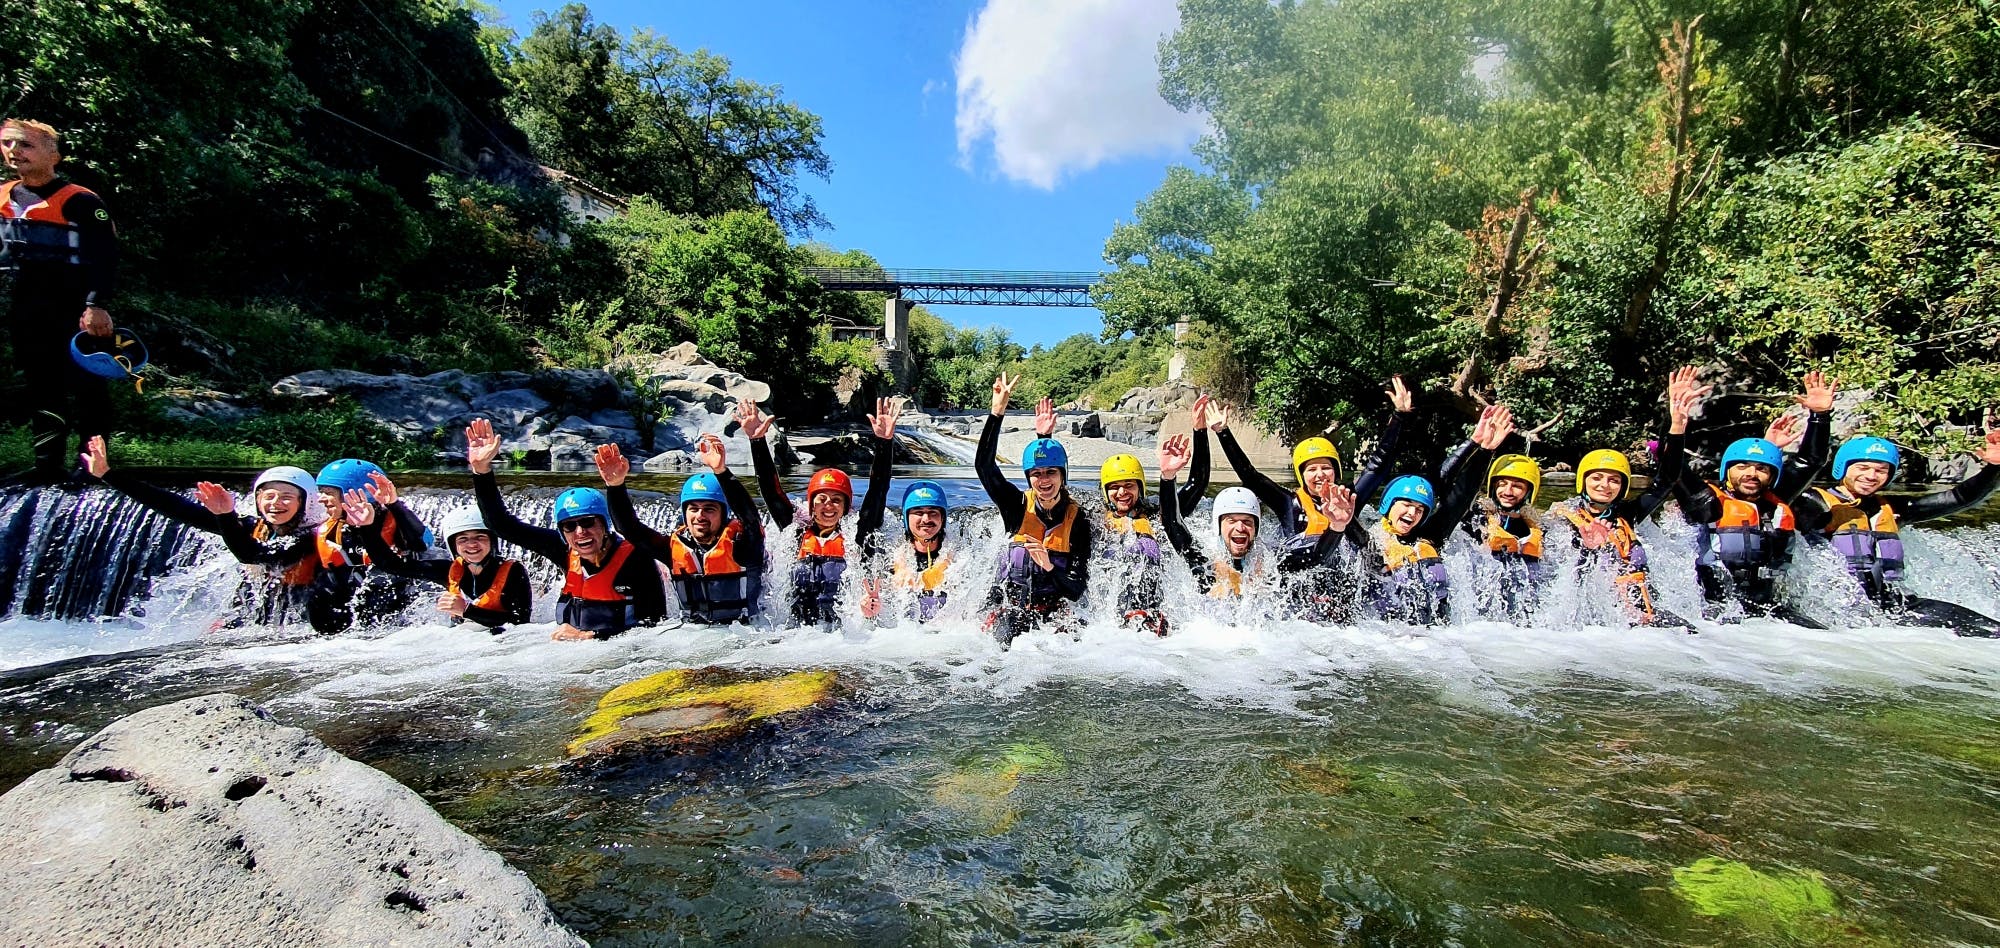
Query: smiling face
x=826, y=508
x=924, y=523
x=1318, y=474
x=1123, y=496
x=472, y=546
x=1510, y=492
x=330, y=499
x=1866, y=477
x=1239, y=531
x=703, y=519
x=1603, y=487
x=280, y=504
x=1047, y=484
x=1404, y=516
x=587, y=537
x=1749, y=479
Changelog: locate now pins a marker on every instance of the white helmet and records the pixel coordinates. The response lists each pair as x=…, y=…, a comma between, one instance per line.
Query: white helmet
x=294, y=476
x=460, y=521
x=1235, y=500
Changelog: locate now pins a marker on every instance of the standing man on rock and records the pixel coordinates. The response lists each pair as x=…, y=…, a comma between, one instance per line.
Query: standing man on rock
x=58, y=239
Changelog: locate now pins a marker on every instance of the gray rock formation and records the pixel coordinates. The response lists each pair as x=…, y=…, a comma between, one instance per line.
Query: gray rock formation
x=554, y=418
x=205, y=823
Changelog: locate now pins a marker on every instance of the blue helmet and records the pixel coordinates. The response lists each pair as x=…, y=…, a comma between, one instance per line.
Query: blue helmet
x=581, y=502
x=924, y=494
x=1044, y=452
x=704, y=486
x=1753, y=451
x=1412, y=488
x=1866, y=449
x=120, y=356
x=349, y=474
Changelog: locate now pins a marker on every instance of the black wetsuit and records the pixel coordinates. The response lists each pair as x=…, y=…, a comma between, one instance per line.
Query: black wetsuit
x=50, y=292
x=1213, y=577
x=517, y=598
x=292, y=581
x=1753, y=582
x=817, y=576
x=1026, y=594
x=1324, y=572
x=1292, y=515
x=717, y=599
x=638, y=580
x=1508, y=584
x=1815, y=518
x=382, y=595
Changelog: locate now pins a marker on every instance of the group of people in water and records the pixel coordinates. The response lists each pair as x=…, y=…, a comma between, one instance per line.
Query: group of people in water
x=339, y=546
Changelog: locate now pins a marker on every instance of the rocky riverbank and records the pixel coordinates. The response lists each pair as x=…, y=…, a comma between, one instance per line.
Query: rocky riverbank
x=204, y=822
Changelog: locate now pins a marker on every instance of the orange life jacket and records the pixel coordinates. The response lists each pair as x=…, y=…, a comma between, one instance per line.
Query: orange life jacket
x=1872, y=546
x=712, y=586
x=599, y=586
x=1316, y=522
x=49, y=211
x=1054, y=539
x=307, y=568
x=488, y=600
x=50, y=237
x=1500, y=542
x=1228, y=582
x=1741, y=538
x=1630, y=583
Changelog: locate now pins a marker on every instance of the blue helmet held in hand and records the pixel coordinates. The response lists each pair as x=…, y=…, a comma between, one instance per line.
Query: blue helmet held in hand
x=922, y=494
x=1044, y=452
x=118, y=356
x=1866, y=449
x=1753, y=451
x=581, y=502
x=703, y=486
x=1412, y=488
x=349, y=474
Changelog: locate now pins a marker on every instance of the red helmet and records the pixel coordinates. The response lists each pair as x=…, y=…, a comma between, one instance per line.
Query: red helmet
x=831, y=480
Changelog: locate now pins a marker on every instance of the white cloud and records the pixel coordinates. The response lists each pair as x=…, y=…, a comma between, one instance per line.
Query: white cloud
x=1061, y=86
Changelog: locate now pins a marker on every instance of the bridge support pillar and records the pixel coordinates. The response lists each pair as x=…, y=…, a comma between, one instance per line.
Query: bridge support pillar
x=1177, y=366
x=896, y=350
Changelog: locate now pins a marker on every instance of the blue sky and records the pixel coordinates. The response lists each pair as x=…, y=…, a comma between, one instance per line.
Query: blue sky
x=1064, y=134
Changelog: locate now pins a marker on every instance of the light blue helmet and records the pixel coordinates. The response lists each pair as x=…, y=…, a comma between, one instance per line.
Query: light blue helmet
x=1044, y=452
x=1412, y=488
x=1866, y=449
x=922, y=494
x=703, y=486
x=581, y=502
x=349, y=474
x=1753, y=451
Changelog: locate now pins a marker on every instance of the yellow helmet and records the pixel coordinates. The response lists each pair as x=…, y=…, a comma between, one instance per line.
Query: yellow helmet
x=1605, y=459
x=1312, y=449
x=1520, y=467
x=1121, y=467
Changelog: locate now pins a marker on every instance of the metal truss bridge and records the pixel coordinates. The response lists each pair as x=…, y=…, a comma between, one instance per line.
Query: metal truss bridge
x=976, y=287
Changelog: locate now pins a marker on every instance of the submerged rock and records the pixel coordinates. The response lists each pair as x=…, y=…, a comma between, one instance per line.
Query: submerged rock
x=690, y=709
x=204, y=822
x=1796, y=906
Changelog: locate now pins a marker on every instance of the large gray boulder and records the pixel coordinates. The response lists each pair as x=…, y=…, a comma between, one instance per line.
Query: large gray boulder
x=204, y=823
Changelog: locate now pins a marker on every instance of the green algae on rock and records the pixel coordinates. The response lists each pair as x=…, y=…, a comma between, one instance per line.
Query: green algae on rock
x=1798, y=905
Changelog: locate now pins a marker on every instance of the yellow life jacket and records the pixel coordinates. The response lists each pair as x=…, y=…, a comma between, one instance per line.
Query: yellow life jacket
x=1500, y=542
x=1054, y=539
x=1316, y=522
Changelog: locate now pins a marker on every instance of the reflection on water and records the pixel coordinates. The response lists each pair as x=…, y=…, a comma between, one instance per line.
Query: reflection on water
x=1254, y=784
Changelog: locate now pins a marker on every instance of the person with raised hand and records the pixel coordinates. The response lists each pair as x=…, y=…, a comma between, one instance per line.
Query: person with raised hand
x=715, y=556
x=1865, y=528
x=917, y=562
x=1605, y=514
x=291, y=572
x=606, y=590
x=1237, y=516
x=821, y=560
x=378, y=595
x=1132, y=544
x=1315, y=464
x=1047, y=566
x=1410, y=584
x=480, y=586
x=1323, y=570
x=1497, y=511
x=1744, y=524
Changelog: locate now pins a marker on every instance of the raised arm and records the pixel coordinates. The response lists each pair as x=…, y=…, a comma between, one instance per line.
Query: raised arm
x=1309, y=551
x=1375, y=468
x=756, y=425
x=1190, y=496
x=876, y=500
x=1802, y=467
x=360, y=514
x=481, y=447
x=1174, y=454
x=182, y=510
x=1269, y=492
x=614, y=467
x=1463, y=476
x=1009, y=499
x=1969, y=493
x=1685, y=394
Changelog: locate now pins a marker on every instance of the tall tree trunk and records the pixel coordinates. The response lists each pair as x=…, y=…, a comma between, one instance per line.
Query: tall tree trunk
x=1678, y=73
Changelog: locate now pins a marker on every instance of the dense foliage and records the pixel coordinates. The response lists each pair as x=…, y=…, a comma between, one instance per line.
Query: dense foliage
x=1759, y=186
x=361, y=184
